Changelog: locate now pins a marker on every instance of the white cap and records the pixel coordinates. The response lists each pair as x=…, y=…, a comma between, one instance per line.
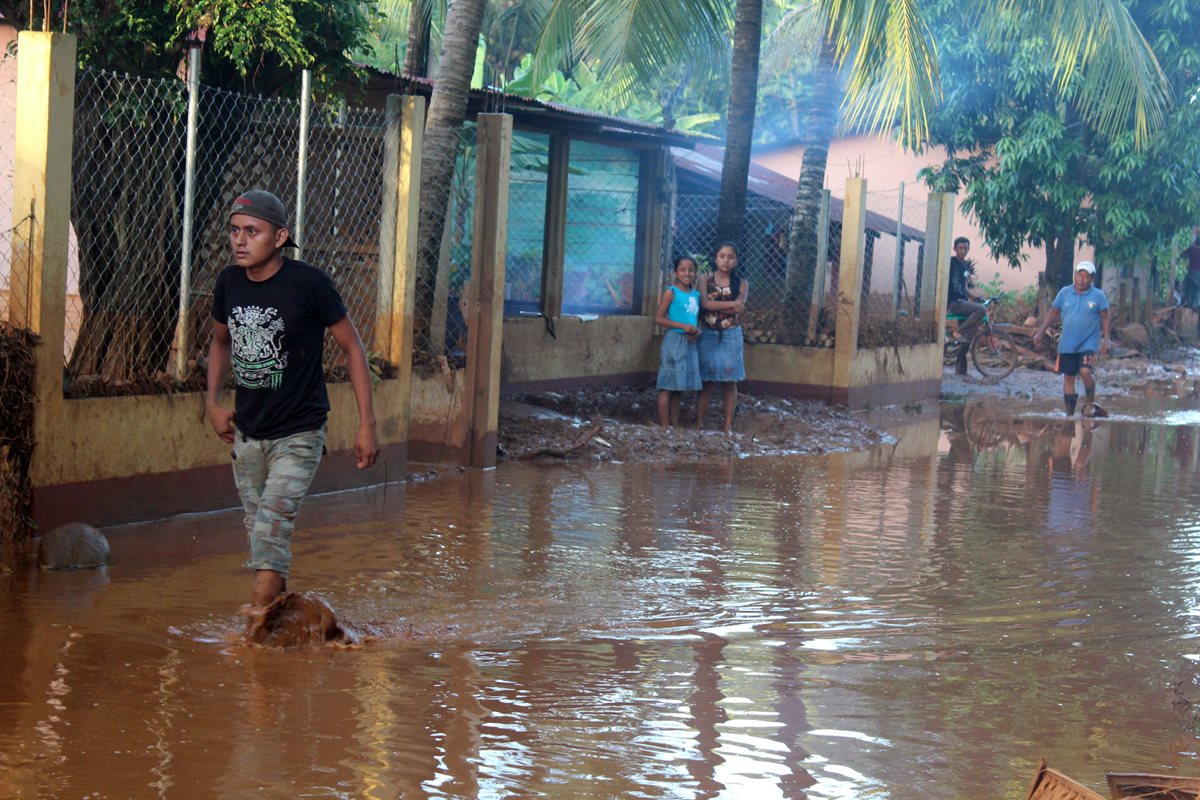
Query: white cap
x=1086, y=266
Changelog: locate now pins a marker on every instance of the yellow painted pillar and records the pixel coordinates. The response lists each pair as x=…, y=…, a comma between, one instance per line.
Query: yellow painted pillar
x=42, y=210
x=939, y=228
x=489, y=247
x=399, y=317
x=42, y=184
x=394, y=323
x=850, y=275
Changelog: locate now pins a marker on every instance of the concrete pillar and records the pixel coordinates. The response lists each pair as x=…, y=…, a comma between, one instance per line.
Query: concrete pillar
x=939, y=230
x=393, y=119
x=939, y=220
x=554, y=241
x=651, y=215
x=850, y=274
x=394, y=325
x=42, y=207
x=42, y=185
x=486, y=317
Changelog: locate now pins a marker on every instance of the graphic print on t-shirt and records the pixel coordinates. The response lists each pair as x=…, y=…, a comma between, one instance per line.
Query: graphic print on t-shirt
x=258, y=357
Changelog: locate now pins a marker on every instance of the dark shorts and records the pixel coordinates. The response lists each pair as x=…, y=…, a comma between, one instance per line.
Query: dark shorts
x=1072, y=363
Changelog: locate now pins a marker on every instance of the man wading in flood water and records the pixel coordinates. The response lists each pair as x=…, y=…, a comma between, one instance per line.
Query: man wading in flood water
x=270, y=315
x=1084, y=310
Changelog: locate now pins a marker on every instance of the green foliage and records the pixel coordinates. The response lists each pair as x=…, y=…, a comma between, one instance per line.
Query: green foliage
x=1035, y=172
x=248, y=45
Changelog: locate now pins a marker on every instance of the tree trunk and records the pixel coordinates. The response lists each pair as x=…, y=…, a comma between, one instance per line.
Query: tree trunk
x=743, y=95
x=1060, y=253
x=447, y=110
x=819, y=126
x=416, y=52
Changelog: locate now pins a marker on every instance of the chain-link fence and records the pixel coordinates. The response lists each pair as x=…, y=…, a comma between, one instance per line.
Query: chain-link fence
x=795, y=303
x=891, y=309
x=785, y=305
x=127, y=215
x=8, y=135
x=526, y=223
x=123, y=274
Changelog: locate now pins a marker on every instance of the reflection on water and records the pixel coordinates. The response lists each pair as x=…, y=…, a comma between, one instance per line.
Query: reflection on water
x=925, y=619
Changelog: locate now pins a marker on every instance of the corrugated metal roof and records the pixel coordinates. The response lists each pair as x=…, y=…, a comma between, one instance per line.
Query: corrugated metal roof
x=496, y=100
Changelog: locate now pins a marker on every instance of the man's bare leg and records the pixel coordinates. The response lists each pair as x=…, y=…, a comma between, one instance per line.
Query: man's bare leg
x=268, y=584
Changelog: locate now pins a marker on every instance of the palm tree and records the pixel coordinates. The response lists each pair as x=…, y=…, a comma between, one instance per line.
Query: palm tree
x=447, y=111
x=743, y=98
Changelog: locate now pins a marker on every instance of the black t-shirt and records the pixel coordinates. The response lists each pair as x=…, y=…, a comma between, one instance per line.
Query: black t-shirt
x=277, y=327
x=958, y=280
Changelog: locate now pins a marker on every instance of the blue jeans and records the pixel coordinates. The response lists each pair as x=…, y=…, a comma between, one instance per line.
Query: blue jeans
x=272, y=477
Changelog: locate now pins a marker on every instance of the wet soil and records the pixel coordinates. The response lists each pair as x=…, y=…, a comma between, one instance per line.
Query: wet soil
x=620, y=424
x=1176, y=373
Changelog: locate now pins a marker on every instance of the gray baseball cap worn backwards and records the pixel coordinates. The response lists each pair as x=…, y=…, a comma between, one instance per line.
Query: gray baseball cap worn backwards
x=263, y=205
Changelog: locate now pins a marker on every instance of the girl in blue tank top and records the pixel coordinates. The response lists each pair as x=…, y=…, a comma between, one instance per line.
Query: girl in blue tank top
x=678, y=360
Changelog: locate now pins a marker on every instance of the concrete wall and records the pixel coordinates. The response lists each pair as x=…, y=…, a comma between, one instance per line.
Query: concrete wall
x=602, y=351
x=440, y=421
x=606, y=351
x=878, y=377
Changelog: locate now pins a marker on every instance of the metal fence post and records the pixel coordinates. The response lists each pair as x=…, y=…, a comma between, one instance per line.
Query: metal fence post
x=818, y=293
x=302, y=160
x=182, y=345
x=899, y=272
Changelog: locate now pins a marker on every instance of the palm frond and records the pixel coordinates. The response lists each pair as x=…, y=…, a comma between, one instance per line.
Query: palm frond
x=794, y=43
x=556, y=40
x=893, y=64
x=652, y=37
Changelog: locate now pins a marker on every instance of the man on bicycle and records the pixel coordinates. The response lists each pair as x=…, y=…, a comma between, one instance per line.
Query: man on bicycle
x=1084, y=310
x=960, y=300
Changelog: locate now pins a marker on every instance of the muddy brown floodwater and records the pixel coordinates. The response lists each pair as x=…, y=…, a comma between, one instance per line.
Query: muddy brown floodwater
x=923, y=618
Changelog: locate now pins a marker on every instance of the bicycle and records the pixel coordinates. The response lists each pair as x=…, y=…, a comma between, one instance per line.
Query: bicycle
x=993, y=351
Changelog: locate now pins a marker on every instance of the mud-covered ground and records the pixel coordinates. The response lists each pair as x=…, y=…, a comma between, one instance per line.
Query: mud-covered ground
x=1174, y=372
x=620, y=424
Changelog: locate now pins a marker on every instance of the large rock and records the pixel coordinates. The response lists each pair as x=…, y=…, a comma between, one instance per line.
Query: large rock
x=295, y=620
x=75, y=545
x=1135, y=335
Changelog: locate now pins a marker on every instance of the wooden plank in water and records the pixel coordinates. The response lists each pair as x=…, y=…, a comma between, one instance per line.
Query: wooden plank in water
x=1146, y=786
x=1050, y=784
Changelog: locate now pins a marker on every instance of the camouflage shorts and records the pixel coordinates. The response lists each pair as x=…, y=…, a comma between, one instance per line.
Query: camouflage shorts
x=272, y=476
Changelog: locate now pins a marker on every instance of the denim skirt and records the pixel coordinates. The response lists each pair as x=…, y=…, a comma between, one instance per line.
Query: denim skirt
x=678, y=364
x=721, y=355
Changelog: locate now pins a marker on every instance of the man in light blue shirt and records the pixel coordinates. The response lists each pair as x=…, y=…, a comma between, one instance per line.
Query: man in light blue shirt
x=1084, y=311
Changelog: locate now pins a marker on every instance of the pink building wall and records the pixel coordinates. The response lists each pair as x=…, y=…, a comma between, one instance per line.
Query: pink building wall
x=885, y=165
